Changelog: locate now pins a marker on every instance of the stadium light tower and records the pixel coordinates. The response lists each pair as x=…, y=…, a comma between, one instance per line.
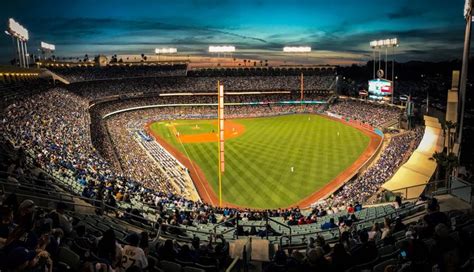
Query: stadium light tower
x=21, y=35
x=47, y=48
x=165, y=51
x=13, y=43
x=296, y=49
x=221, y=49
x=377, y=46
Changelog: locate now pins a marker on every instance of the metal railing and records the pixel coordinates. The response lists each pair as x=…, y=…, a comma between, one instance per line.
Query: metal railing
x=433, y=188
x=41, y=196
x=240, y=263
x=430, y=189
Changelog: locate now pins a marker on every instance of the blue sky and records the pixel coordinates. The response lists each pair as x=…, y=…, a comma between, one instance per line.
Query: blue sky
x=338, y=31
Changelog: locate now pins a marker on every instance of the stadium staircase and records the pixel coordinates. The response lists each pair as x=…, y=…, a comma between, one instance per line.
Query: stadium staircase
x=54, y=76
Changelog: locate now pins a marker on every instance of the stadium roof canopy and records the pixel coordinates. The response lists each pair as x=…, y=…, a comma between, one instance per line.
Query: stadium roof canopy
x=419, y=168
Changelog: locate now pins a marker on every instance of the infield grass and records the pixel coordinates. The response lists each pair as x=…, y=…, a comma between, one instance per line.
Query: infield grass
x=259, y=161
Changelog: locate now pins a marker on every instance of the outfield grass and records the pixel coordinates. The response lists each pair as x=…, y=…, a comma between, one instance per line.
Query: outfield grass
x=258, y=163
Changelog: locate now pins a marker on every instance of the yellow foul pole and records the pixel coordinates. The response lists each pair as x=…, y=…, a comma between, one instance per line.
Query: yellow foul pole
x=220, y=136
x=301, y=90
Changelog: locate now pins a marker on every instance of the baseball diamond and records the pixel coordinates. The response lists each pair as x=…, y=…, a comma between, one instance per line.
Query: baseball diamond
x=260, y=153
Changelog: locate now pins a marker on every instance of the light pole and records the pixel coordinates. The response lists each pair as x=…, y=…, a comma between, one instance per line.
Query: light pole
x=465, y=62
x=21, y=34
x=377, y=46
x=13, y=43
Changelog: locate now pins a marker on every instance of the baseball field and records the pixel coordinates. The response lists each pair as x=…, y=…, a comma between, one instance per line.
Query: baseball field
x=270, y=162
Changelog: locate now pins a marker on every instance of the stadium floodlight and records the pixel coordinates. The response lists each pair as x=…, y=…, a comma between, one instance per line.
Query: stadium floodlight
x=169, y=50
x=17, y=30
x=393, y=42
x=221, y=49
x=296, y=49
x=47, y=46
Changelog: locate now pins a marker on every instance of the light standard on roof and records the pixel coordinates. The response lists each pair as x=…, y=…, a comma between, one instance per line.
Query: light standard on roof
x=298, y=50
x=222, y=49
x=376, y=46
x=165, y=51
x=47, y=48
x=13, y=44
x=21, y=34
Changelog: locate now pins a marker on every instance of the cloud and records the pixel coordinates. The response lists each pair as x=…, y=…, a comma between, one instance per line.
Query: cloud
x=191, y=27
x=63, y=29
x=404, y=12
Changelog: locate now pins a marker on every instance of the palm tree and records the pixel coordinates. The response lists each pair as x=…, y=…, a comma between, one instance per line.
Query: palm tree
x=452, y=162
x=445, y=162
x=449, y=126
x=440, y=158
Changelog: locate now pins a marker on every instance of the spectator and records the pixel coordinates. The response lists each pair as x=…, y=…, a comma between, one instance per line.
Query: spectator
x=341, y=260
x=329, y=225
x=60, y=220
x=108, y=250
x=434, y=217
x=19, y=259
x=144, y=243
x=387, y=229
x=132, y=254
x=166, y=251
x=365, y=251
x=375, y=234
x=350, y=209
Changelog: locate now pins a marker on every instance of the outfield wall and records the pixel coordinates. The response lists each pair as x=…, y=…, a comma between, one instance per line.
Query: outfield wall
x=214, y=105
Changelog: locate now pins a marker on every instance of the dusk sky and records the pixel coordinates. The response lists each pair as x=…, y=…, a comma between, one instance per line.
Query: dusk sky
x=338, y=31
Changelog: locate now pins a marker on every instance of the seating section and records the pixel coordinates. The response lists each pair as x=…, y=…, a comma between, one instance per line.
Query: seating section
x=77, y=73
x=64, y=203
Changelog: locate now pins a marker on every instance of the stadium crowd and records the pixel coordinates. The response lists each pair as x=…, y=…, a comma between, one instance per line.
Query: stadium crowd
x=91, y=73
x=59, y=239
x=370, y=113
x=133, y=158
x=54, y=126
x=436, y=242
x=368, y=184
x=138, y=86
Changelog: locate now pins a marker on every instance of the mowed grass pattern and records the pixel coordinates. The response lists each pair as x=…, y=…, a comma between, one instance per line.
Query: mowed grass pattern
x=258, y=163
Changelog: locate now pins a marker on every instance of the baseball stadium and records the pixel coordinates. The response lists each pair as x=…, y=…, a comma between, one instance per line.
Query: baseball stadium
x=210, y=162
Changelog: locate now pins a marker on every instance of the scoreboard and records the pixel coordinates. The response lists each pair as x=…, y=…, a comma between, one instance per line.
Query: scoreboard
x=380, y=87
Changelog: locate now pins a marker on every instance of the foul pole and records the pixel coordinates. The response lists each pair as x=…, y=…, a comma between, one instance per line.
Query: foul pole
x=220, y=136
x=302, y=90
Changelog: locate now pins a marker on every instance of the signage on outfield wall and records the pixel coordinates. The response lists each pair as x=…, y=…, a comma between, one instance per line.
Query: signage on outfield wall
x=302, y=102
x=209, y=104
x=334, y=115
